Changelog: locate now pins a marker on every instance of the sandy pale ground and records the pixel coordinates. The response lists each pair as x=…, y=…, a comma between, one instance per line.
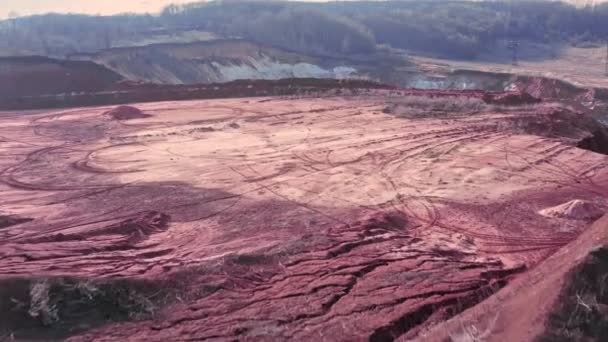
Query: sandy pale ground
x=287, y=218
x=581, y=66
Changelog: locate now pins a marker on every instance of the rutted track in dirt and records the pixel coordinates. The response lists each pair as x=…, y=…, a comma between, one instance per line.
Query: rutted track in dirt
x=302, y=218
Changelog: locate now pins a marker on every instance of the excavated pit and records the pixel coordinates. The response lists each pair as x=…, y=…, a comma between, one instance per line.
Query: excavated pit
x=311, y=217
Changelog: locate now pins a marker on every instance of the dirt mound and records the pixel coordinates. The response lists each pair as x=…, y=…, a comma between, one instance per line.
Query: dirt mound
x=548, y=88
x=514, y=98
x=575, y=210
x=126, y=113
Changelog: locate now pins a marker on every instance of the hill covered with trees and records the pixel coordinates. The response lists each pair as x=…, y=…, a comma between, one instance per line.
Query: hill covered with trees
x=451, y=29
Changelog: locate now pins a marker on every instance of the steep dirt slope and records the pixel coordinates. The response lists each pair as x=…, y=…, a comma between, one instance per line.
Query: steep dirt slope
x=216, y=61
x=523, y=310
x=129, y=92
x=358, y=215
x=33, y=76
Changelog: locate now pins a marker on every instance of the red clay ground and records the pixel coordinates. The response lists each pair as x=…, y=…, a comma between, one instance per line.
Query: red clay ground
x=322, y=218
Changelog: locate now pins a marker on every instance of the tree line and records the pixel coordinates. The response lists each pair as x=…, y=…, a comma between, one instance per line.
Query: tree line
x=454, y=29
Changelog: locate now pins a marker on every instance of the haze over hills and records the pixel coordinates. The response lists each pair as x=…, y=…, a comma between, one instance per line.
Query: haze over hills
x=107, y=7
x=15, y=8
x=10, y=8
x=340, y=30
x=208, y=42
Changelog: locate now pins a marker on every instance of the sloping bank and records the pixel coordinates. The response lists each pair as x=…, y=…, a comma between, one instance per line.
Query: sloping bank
x=132, y=93
x=560, y=299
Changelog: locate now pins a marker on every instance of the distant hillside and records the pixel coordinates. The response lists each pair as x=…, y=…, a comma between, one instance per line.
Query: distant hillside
x=32, y=76
x=449, y=29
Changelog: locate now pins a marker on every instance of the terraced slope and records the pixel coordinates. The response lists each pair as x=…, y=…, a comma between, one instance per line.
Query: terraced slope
x=217, y=61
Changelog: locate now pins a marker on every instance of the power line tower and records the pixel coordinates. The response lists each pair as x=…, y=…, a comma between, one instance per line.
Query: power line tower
x=513, y=46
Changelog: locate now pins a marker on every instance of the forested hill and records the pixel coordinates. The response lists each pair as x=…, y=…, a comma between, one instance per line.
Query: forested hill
x=452, y=29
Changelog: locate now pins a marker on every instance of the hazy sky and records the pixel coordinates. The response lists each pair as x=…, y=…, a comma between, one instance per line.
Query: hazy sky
x=25, y=7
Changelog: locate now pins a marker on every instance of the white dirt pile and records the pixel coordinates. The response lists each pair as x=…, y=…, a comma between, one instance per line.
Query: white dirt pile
x=574, y=210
